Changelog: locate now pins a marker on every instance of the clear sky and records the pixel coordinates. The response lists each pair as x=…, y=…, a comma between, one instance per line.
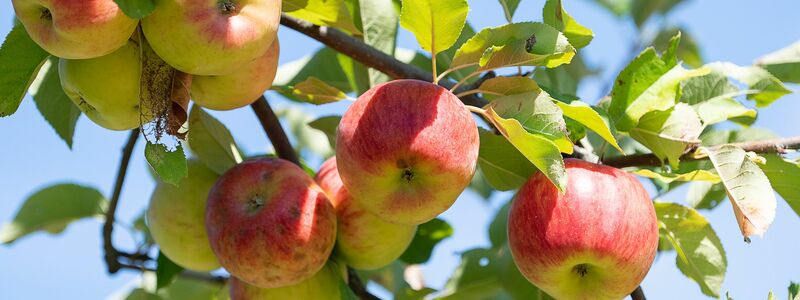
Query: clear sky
x=70, y=266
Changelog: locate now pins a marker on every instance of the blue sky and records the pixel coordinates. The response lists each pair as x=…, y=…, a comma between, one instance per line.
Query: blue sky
x=70, y=266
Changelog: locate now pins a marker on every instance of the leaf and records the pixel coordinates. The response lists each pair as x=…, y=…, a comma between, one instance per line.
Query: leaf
x=379, y=24
x=498, y=233
x=332, y=13
x=194, y=289
x=748, y=188
x=345, y=293
x=540, y=151
x=705, y=195
x=166, y=271
x=688, y=51
x=427, y=237
x=169, y=165
x=136, y=9
x=794, y=291
x=474, y=277
x=328, y=126
x=293, y=5
x=784, y=176
x=562, y=82
x=669, y=133
x=548, y=47
x=323, y=65
x=142, y=294
x=315, y=91
x=537, y=113
x=211, y=141
x=306, y=138
x=641, y=10
x=784, y=63
x=700, y=253
x=445, y=58
x=412, y=294
x=696, y=175
x=480, y=185
x=767, y=88
x=53, y=208
x=20, y=60
x=507, y=86
x=712, y=95
x=587, y=116
x=436, y=24
x=555, y=15
x=53, y=103
x=509, y=8
x=504, y=167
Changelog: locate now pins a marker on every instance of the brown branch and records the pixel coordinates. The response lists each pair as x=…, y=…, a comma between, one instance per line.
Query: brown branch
x=369, y=56
x=272, y=126
x=638, y=294
x=358, y=287
x=767, y=146
x=111, y=254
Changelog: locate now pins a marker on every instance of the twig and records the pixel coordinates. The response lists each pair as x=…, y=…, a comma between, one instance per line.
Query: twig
x=358, y=288
x=638, y=294
x=272, y=126
x=111, y=254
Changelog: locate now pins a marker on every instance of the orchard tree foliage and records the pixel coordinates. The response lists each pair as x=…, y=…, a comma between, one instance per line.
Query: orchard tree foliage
x=658, y=121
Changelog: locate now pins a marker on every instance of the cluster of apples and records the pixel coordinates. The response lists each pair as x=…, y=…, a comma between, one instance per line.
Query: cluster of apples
x=229, y=46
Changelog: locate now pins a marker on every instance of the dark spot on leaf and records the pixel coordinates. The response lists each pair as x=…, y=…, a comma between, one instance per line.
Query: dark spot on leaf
x=620, y=82
x=530, y=42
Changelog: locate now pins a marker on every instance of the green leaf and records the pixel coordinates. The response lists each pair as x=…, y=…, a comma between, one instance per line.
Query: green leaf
x=587, y=116
x=474, y=278
x=53, y=208
x=498, y=233
x=293, y=5
x=412, y=294
x=794, y=291
x=669, y=133
x=542, y=152
x=700, y=253
x=517, y=44
x=211, y=141
x=696, y=175
x=142, y=294
x=784, y=63
x=332, y=13
x=617, y=7
x=641, y=10
x=705, y=195
x=436, y=24
x=345, y=293
x=20, y=60
x=555, y=15
x=306, y=138
x=748, y=188
x=445, y=58
x=379, y=24
x=323, y=65
x=504, y=167
x=537, y=113
x=688, y=51
x=328, y=126
x=480, y=185
x=766, y=87
x=166, y=271
x=185, y=288
x=509, y=8
x=784, y=176
x=562, y=82
x=136, y=9
x=712, y=95
x=507, y=86
x=53, y=103
x=427, y=237
x=315, y=91
x=169, y=165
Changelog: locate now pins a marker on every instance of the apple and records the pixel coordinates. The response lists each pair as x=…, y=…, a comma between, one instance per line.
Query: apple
x=106, y=88
x=176, y=218
x=595, y=241
x=226, y=92
x=212, y=37
x=75, y=29
x=269, y=224
x=406, y=149
x=363, y=240
x=323, y=285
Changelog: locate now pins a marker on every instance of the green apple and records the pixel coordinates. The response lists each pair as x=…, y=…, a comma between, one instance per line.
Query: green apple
x=212, y=37
x=363, y=240
x=75, y=29
x=240, y=88
x=323, y=285
x=106, y=88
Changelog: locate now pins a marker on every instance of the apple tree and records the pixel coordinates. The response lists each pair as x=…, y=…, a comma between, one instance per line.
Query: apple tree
x=488, y=109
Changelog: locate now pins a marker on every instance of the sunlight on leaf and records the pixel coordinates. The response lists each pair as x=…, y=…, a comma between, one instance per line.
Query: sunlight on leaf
x=315, y=91
x=697, y=175
x=436, y=24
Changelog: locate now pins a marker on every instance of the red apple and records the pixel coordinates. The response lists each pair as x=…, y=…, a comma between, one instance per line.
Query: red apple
x=406, y=150
x=323, y=285
x=75, y=29
x=269, y=224
x=363, y=240
x=596, y=241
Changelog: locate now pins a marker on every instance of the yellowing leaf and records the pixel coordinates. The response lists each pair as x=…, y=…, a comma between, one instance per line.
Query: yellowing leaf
x=332, y=13
x=503, y=166
x=506, y=86
x=555, y=15
x=669, y=133
x=437, y=24
x=537, y=114
x=696, y=175
x=316, y=91
x=584, y=114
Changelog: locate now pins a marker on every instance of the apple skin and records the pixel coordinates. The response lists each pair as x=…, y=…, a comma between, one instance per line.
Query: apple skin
x=596, y=241
x=106, y=88
x=212, y=37
x=323, y=285
x=176, y=218
x=75, y=29
x=363, y=240
x=238, y=89
x=406, y=149
x=269, y=224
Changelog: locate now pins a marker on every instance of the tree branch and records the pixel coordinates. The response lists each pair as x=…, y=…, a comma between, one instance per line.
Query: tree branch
x=272, y=126
x=767, y=146
x=358, y=287
x=370, y=56
x=111, y=254
x=638, y=294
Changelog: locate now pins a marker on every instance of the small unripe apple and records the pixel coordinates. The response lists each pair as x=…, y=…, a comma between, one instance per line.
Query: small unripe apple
x=596, y=241
x=176, y=218
x=406, y=150
x=363, y=240
x=106, y=88
x=323, y=285
x=212, y=37
x=75, y=29
x=269, y=224
x=240, y=88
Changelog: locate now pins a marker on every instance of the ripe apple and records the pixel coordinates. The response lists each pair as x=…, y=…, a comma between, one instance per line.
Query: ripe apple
x=406, y=149
x=75, y=29
x=106, y=88
x=363, y=240
x=176, y=218
x=226, y=92
x=212, y=37
x=323, y=285
x=269, y=224
x=596, y=241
